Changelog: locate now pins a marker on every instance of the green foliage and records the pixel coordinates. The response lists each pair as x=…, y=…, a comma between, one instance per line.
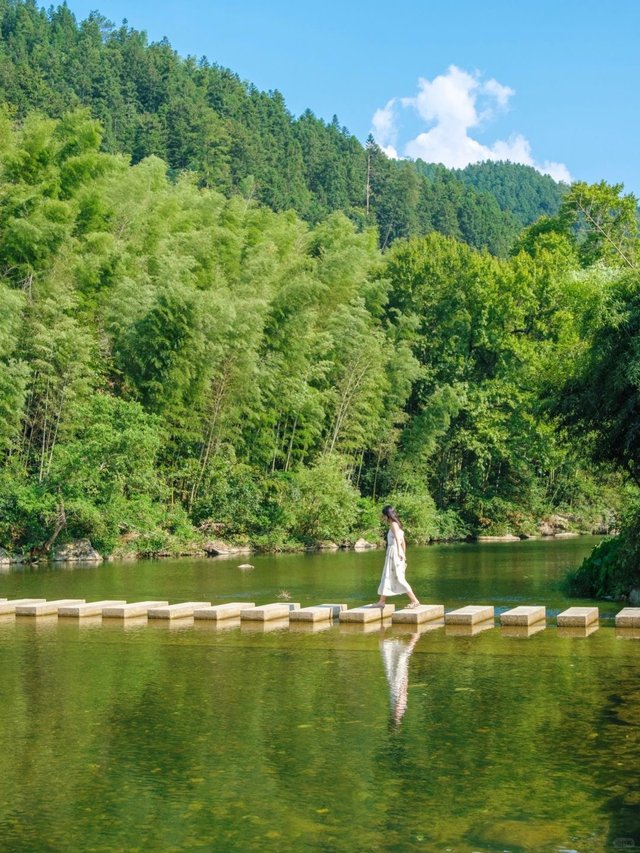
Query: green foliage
x=172, y=358
x=519, y=189
x=322, y=502
x=611, y=570
x=603, y=222
x=601, y=400
x=417, y=510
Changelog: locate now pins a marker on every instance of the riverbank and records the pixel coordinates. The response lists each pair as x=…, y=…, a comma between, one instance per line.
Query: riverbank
x=132, y=548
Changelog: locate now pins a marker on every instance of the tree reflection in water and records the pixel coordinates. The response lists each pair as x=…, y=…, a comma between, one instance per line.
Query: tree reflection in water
x=395, y=658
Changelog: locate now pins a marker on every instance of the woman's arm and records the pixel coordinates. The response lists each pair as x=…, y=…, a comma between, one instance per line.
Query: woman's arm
x=398, y=535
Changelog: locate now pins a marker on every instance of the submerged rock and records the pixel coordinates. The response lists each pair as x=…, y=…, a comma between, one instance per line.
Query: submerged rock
x=80, y=551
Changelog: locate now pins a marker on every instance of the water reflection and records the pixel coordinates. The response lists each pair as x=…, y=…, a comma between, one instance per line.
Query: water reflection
x=395, y=659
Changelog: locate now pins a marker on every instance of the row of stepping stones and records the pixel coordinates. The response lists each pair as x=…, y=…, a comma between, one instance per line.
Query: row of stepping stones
x=470, y=616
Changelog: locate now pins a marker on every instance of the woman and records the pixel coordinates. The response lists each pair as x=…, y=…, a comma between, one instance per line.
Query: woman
x=393, y=581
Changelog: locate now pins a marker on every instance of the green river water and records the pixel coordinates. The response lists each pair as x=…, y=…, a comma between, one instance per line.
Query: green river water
x=145, y=737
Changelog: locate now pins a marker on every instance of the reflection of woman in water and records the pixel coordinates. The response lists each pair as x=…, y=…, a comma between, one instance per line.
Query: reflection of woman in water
x=393, y=580
x=395, y=657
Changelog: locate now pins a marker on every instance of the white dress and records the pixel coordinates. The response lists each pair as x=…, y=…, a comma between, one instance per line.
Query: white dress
x=393, y=581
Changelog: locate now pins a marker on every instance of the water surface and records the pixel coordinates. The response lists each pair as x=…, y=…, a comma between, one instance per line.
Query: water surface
x=190, y=738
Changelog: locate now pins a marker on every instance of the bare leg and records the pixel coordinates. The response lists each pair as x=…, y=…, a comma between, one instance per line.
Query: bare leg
x=412, y=598
x=381, y=601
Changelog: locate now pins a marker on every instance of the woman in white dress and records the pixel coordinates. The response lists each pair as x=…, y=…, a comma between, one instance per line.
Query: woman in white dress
x=393, y=581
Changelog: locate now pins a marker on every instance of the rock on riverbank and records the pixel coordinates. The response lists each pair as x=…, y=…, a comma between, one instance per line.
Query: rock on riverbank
x=80, y=551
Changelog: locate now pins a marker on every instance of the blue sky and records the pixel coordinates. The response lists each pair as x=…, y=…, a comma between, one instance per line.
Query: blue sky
x=551, y=83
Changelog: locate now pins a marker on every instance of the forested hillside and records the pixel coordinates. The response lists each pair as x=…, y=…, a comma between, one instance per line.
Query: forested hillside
x=199, y=117
x=174, y=359
x=521, y=190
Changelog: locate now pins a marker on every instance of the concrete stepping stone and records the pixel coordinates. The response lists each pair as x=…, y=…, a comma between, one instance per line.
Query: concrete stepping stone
x=268, y=612
x=578, y=617
x=46, y=608
x=91, y=608
x=176, y=611
x=130, y=611
x=472, y=614
x=460, y=629
x=417, y=615
x=9, y=607
x=367, y=613
x=217, y=612
x=523, y=615
x=317, y=613
x=629, y=617
x=522, y=631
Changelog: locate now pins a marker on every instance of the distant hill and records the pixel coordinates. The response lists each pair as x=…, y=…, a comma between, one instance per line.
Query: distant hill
x=198, y=116
x=521, y=190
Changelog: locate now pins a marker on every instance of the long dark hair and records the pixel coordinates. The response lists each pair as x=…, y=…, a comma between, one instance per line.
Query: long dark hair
x=391, y=514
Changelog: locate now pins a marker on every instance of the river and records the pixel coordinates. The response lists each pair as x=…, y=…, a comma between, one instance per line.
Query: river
x=190, y=738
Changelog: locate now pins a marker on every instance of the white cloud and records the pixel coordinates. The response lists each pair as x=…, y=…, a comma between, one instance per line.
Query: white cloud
x=453, y=103
x=384, y=130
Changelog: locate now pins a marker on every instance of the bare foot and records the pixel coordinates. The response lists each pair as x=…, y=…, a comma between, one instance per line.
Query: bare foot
x=413, y=605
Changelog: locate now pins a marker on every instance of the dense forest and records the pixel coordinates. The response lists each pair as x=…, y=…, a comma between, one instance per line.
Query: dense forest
x=230, y=343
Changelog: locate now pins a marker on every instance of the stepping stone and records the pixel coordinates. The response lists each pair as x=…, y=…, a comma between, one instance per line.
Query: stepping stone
x=470, y=615
x=176, y=611
x=9, y=607
x=215, y=613
x=417, y=615
x=92, y=608
x=128, y=611
x=629, y=617
x=367, y=613
x=46, y=608
x=523, y=615
x=268, y=612
x=578, y=617
x=522, y=631
x=318, y=613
